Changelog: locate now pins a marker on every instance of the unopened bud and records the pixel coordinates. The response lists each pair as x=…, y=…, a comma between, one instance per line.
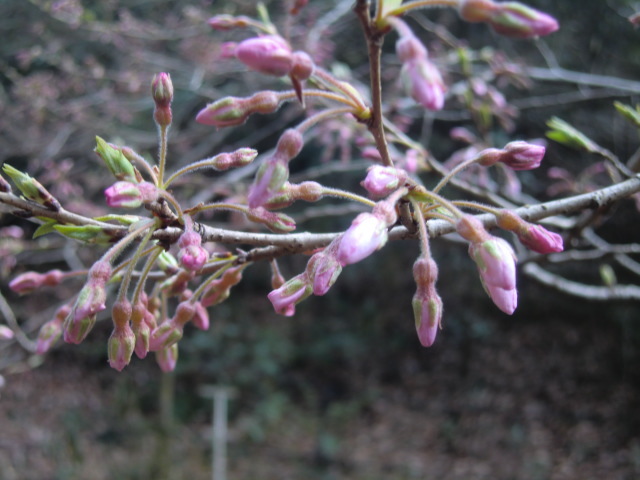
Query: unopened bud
x=51, y=331
x=30, y=281
x=270, y=54
x=275, y=221
x=116, y=160
x=31, y=188
x=121, y=346
x=162, y=90
x=167, y=358
x=227, y=22
x=231, y=111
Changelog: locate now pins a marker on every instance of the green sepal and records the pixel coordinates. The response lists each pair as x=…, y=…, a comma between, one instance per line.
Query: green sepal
x=123, y=219
x=46, y=228
x=92, y=234
x=115, y=160
x=629, y=113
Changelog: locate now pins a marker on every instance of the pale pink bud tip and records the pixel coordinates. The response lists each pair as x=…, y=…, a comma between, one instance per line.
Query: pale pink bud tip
x=323, y=268
x=270, y=54
x=541, y=240
x=192, y=256
x=381, y=181
x=121, y=346
x=167, y=358
x=427, y=304
x=426, y=84
x=288, y=295
x=521, y=155
x=516, y=20
x=366, y=234
x=496, y=264
x=162, y=90
x=6, y=333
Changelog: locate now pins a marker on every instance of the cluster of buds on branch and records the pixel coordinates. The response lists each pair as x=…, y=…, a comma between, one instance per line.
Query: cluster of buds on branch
x=167, y=259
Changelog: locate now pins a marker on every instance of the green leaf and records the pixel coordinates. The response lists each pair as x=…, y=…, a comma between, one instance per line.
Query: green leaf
x=123, y=219
x=565, y=134
x=47, y=227
x=92, y=234
x=629, y=113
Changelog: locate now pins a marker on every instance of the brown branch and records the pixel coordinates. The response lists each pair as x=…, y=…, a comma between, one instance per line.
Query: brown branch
x=590, y=292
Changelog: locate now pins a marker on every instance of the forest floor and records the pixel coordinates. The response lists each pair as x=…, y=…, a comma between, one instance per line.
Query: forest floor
x=531, y=403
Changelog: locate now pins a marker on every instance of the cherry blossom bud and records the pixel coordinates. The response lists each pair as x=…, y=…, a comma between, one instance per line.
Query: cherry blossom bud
x=366, y=234
x=270, y=54
x=91, y=300
x=51, y=331
x=225, y=22
x=238, y=158
x=513, y=19
x=201, y=318
x=381, y=181
x=116, y=160
x=426, y=84
x=285, y=298
x=31, y=188
x=534, y=237
x=472, y=229
x=231, y=111
x=192, y=256
x=496, y=264
x=427, y=304
x=477, y=10
x=289, y=144
x=162, y=93
x=270, y=178
x=219, y=289
x=30, y=281
x=130, y=195
x=167, y=358
x=521, y=155
x=121, y=345
x=323, y=269
x=164, y=335
x=140, y=328
x=274, y=221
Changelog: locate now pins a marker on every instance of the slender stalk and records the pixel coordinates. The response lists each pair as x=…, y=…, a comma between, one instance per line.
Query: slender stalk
x=126, y=280
x=164, y=130
x=422, y=229
x=375, y=39
x=335, y=192
x=421, y=4
x=145, y=273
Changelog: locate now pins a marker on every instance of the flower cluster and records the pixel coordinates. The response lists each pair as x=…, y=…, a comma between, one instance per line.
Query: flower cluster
x=193, y=266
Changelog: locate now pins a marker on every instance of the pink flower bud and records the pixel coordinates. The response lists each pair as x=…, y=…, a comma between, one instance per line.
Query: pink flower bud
x=121, y=346
x=130, y=195
x=534, y=237
x=192, y=256
x=274, y=221
x=381, y=181
x=427, y=304
x=30, y=281
x=409, y=48
x=541, y=240
x=167, y=358
x=289, y=144
x=51, y=331
x=476, y=10
x=91, y=300
x=323, y=269
x=366, y=234
x=291, y=293
x=514, y=19
x=140, y=328
x=270, y=54
x=426, y=84
x=238, y=158
x=521, y=155
x=496, y=264
x=162, y=93
x=201, y=318
x=231, y=111
x=162, y=90
x=218, y=290
x=227, y=22
x=302, y=66
x=164, y=335
x=270, y=178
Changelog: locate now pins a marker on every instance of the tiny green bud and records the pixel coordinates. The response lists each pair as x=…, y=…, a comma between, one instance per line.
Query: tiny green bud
x=115, y=160
x=31, y=188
